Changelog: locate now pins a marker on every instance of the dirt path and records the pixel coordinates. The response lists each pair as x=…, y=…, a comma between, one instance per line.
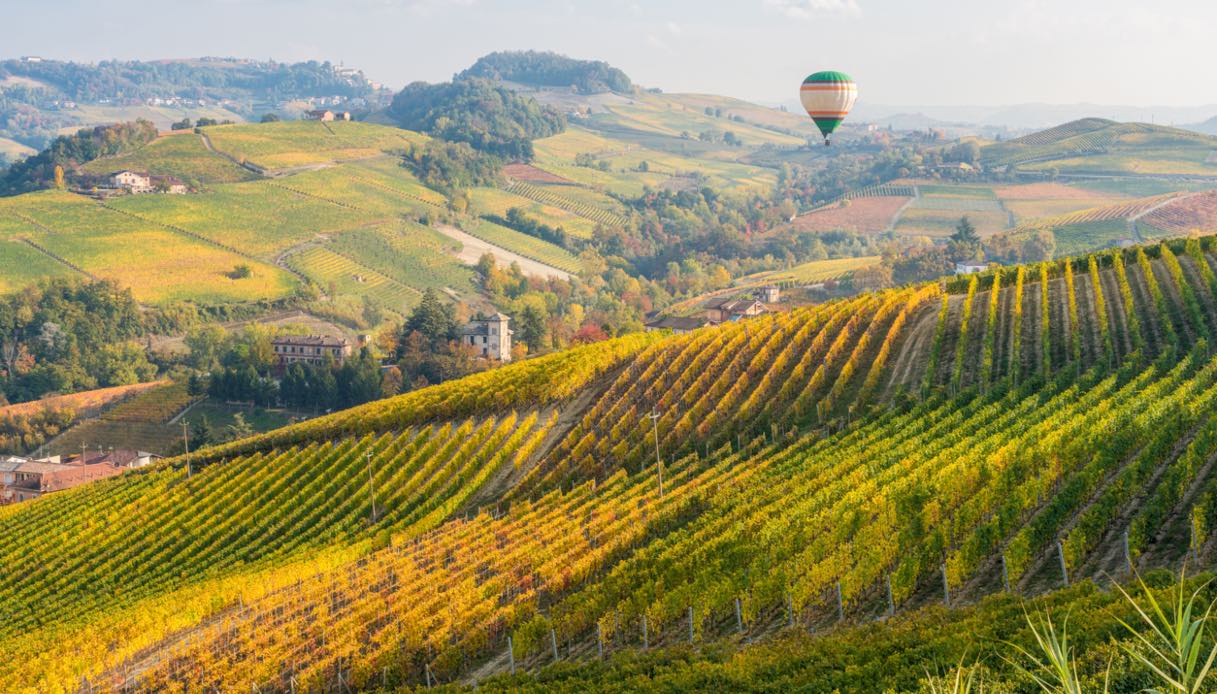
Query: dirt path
x=473, y=248
x=1092, y=339
x=911, y=362
x=1174, y=300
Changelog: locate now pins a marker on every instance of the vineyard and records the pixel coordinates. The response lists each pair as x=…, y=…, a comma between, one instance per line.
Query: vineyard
x=1017, y=431
x=866, y=215
x=155, y=405
x=341, y=274
x=548, y=196
x=1195, y=213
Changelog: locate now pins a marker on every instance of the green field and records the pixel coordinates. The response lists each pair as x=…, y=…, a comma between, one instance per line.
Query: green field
x=182, y=155
x=814, y=271
x=1075, y=239
x=338, y=274
x=942, y=222
x=1097, y=146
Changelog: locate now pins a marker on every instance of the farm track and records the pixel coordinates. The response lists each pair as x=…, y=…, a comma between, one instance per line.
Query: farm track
x=1034, y=320
x=1092, y=342
x=975, y=348
x=1003, y=334
x=1132, y=221
x=1176, y=528
x=248, y=166
x=472, y=248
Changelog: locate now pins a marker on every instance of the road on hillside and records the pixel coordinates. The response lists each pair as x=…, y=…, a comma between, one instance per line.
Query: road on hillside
x=473, y=248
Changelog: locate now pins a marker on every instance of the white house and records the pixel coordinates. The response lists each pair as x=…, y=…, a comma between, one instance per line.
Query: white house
x=132, y=181
x=489, y=335
x=970, y=268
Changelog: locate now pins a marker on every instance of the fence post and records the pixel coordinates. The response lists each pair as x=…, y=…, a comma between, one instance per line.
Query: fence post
x=553, y=643
x=646, y=637
x=1005, y=574
x=946, y=588
x=599, y=641
x=739, y=617
x=1060, y=553
x=1127, y=552
x=511, y=656
x=690, y=624
x=427, y=672
x=840, y=604
x=789, y=610
x=891, y=599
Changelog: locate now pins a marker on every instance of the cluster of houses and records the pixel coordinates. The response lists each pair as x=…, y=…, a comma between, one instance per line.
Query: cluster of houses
x=137, y=182
x=489, y=335
x=22, y=479
x=719, y=310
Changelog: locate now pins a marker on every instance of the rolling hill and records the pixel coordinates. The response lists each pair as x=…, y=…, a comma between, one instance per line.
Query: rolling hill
x=1093, y=146
x=831, y=463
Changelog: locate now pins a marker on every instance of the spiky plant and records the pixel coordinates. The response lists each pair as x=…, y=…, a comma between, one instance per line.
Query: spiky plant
x=1171, y=643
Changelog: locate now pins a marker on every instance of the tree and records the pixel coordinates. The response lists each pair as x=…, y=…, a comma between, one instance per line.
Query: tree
x=183, y=124
x=201, y=433
x=432, y=319
x=270, y=118
x=240, y=272
x=239, y=429
x=60, y=184
x=206, y=344
x=965, y=232
x=532, y=328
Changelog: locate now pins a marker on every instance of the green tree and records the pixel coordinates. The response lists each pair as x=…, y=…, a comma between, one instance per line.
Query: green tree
x=532, y=330
x=432, y=319
x=239, y=429
x=965, y=231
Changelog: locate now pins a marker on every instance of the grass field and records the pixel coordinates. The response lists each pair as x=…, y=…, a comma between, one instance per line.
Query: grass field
x=523, y=244
x=657, y=114
x=941, y=222
x=181, y=155
x=14, y=150
x=300, y=143
x=1081, y=237
x=158, y=264
x=1137, y=187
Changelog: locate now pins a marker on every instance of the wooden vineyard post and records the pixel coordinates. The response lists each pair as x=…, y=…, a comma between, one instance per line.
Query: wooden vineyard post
x=891, y=599
x=739, y=617
x=789, y=610
x=646, y=637
x=553, y=644
x=1127, y=553
x=1191, y=539
x=1005, y=574
x=840, y=604
x=511, y=656
x=946, y=588
x=427, y=673
x=690, y=624
x=1060, y=553
x=599, y=642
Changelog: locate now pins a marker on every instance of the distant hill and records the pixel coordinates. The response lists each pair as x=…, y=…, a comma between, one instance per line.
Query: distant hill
x=1101, y=146
x=40, y=97
x=545, y=69
x=1208, y=127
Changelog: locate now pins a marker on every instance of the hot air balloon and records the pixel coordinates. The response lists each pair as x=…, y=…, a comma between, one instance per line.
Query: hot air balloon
x=828, y=96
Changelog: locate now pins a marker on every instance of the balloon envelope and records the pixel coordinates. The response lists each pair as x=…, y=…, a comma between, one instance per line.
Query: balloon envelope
x=828, y=97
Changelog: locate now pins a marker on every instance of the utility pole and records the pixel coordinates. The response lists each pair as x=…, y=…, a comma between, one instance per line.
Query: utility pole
x=186, y=444
x=654, y=417
x=371, y=487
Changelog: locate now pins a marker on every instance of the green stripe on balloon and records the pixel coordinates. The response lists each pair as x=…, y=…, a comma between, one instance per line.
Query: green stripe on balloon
x=827, y=76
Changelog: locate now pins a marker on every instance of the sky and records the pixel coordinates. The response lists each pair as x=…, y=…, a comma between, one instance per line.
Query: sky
x=934, y=52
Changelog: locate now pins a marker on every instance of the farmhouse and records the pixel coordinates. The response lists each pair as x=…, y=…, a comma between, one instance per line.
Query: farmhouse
x=327, y=115
x=677, y=324
x=22, y=479
x=490, y=335
x=131, y=181
x=310, y=349
x=725, y=309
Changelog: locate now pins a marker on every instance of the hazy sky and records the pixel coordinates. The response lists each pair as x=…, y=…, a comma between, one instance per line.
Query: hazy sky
x=899, y=51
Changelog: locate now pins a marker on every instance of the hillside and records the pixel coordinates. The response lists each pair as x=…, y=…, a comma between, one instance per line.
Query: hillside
x=1098, y=146
x=956, y=433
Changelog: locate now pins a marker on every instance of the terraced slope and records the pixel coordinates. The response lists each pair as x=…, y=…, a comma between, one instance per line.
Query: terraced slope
x=835, y=462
